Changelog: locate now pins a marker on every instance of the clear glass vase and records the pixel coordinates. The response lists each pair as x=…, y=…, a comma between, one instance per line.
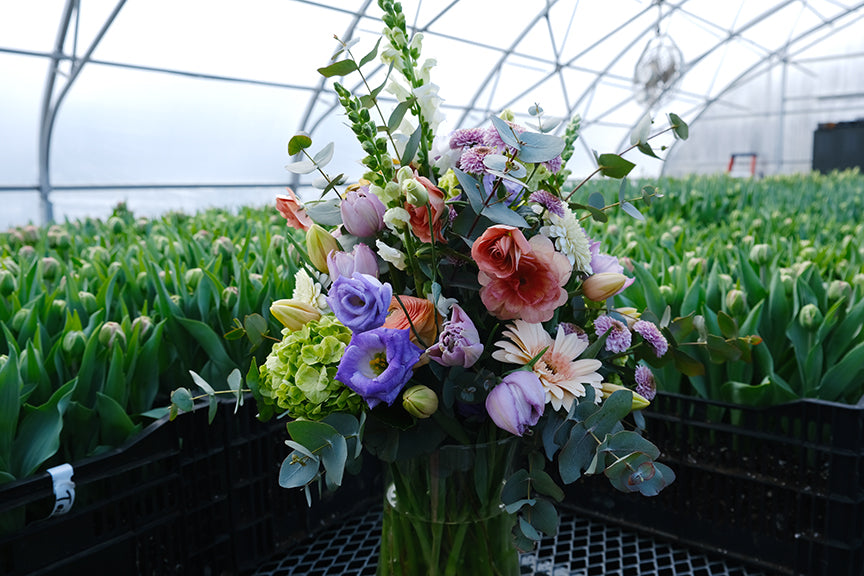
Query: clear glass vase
x=443, y=514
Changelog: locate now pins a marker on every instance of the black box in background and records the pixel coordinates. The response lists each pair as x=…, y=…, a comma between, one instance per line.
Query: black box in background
x=838, y=146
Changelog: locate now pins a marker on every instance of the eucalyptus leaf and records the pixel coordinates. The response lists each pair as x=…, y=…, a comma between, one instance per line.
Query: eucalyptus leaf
x=298, y=143
x=340, y=68
x=298, y=470
x=614, y=166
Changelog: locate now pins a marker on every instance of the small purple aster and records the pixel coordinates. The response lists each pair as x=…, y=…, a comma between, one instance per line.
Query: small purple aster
x=467, y=137
x=471, y=160
x=645, y=385
x=549, y=201
x=554, y=165
x=619, y=337
x=651, y=334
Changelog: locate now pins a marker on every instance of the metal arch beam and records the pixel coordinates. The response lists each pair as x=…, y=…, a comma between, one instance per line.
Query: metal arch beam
x=745, y=75
x=51, y=104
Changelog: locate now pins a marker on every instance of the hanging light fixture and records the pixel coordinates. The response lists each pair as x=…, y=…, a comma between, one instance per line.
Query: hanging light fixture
x=659, y=66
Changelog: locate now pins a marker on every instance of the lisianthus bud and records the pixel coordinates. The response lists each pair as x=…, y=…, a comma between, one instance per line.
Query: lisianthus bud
x=639, y=401
x=293, y=314
x=404, y=173
x=599, y=287
x=838, y=289
x=415, y=192
x=319, y=243
x=761, y=254
x=517, y=402
x=810, y=317
x=736, y=302
x=193, y=277
x=362, y=213
x=111, y=333
x=74, y=343
x=420, y=401
x=8, y=284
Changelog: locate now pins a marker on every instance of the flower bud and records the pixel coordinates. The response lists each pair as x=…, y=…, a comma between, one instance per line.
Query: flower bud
x=415, y=192
x=599, y=287
x=667, y=292
x=50, y=268
x=517, y=402
x=631, y=315
x=26, y=253
x=115, y=225
x=3, y=359
x=736, y=302
x=202, y=236
x=404, y=173
x=361, y=259
x=319, y=244
x=810, y=317
x=59, y=239
x=362, y=213
x=19, y=318
x=223, y=247
x=74, y=343
x=88, y=301
x=761, y=254
x=420, y=401
x=229, y=297
x=193, y=277
x=838, y=289
x=294, y=314
x=639, y=401
x=111, y=333
x=8, y=283
x=146, y=324
x=858, y=280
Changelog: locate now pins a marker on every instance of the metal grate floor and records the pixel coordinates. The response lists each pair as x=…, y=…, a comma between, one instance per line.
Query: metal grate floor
x=582, y=547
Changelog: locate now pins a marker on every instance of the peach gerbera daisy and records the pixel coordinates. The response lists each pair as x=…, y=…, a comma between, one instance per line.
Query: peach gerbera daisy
x=562, y=374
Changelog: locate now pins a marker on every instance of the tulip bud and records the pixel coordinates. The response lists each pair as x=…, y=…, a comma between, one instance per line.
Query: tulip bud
x=3, y=359
x=30, y=234
x=667, y=292
x=74, y=343
x=319, y=244
x=229, y=297
x=838, y=289
x=736, y=302
x=202, y=236
x=858, y=280
x=294, y=314
x=146, y=324
x=415, y=192
x=50, y=268
x=517, y=402
x=599, y=287
x=19, y=318
x=810, y=317
x=362, y=213
x=116, y=225
x=193, y=277
x=257, y=280
x=761, y=254
x=88, y=301
x=59, y=239
x=361, y=259
x=639, y=401
x=116, y=269
x=97, y=254
x=224, y=247
x=420, y=401
x=111, y=333
x=8, y=283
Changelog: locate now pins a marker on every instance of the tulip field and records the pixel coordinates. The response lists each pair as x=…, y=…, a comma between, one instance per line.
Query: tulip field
x=102, y=319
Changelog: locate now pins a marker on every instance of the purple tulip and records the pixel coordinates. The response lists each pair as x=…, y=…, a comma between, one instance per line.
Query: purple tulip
x=362, y=212
x=517, y=402
x=378, y=363
x=361, y=259
x=360, y=302
x=459, y=343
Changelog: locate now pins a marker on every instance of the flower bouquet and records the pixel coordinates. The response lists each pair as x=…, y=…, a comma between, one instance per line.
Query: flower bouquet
x=454, y=316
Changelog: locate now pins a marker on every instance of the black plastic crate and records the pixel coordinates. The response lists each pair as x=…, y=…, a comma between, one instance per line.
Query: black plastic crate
x=780, y=487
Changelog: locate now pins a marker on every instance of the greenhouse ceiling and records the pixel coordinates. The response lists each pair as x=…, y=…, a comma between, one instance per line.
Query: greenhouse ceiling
x=179, y=105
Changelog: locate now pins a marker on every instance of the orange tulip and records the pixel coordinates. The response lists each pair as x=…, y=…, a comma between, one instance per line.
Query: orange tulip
x=423, y=315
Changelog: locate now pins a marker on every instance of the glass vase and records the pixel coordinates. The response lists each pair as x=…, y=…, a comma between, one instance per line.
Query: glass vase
x=443, y=514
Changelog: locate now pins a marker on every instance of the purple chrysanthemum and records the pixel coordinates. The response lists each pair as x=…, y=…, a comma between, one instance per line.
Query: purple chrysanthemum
x=618, y=340
x=493, y=139
x=570, y=328
x=549, y=201
x=645, y=385
x=651, y=334
x=467, y=137
x=554, y=165
x=471, y=160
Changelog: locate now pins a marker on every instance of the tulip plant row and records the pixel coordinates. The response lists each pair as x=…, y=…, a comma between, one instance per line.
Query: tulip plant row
x=101, y=320
x=782, y=257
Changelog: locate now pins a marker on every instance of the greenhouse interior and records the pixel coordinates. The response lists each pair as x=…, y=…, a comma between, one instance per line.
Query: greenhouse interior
x=556, y=287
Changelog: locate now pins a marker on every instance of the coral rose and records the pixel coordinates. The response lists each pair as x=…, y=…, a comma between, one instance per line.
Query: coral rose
x=293, y=211
x=419, y=215
x=498, y=250
x=423, y=316
x=534, y=290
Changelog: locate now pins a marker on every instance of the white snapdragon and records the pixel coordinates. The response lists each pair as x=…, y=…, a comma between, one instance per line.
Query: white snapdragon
x=391, y=255
x=396, y=219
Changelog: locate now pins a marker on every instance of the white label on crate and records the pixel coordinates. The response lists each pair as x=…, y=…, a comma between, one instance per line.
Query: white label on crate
x=64, y=488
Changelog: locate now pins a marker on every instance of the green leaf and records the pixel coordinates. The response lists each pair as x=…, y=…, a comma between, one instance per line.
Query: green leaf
x=340, y=68
x=516, y=487
x=679, y=127
x=632, y=211
x=614, y=166
x=324, y=156
x=209, y=341
x=544, y=484
x=596, y=200
x=371, y=55
x=397, y=114
x=256, y=328
x=544, y=517
x=529, y=531
x=9, y=404
x=505, y=132
x=298, y=143
x=728, y=325
x=115, y=425
x=39, y=430
x=536, y=147
x=411, y=146
x=646, y=149
x=843, y=376
x=182, y=398
x=298, y=470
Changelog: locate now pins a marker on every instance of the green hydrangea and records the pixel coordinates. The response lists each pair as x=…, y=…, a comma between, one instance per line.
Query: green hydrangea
x=298, y=376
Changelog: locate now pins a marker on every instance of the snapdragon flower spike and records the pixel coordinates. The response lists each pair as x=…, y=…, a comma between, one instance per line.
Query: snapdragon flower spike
x=378, y=363
x=459, y=343
x=517, y=402
x=360, y=302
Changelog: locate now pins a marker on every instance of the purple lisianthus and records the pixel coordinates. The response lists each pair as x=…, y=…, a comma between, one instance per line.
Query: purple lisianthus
x=549, y=201
x=651, y=334
x=362, y=212
x=601, y=263
x=360, y=302
x=467, y=137
x=517, y=402
x=361, y=259
x=459, y=343
x=378, y=363
x=645, y=385
x=513, y=189
x=619, y=337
